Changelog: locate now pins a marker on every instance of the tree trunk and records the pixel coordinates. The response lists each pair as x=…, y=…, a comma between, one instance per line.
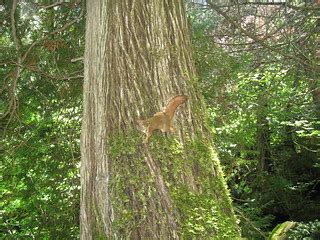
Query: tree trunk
x=263, y=131
x=138, y=56
x=263, y=141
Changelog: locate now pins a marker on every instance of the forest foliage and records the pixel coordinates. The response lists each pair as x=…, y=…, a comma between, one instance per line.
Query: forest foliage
x=258, y=68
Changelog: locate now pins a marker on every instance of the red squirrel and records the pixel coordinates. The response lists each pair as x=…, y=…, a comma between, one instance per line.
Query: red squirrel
x=162, y=120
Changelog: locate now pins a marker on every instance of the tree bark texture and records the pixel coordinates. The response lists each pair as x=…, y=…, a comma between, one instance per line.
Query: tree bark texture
x=138, y=56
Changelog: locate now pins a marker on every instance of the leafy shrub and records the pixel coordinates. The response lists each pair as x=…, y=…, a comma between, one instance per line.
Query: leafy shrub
x=305, y=231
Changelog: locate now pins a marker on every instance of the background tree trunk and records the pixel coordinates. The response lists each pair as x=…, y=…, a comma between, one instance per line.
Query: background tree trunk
x=263, y=131
x=138, y=56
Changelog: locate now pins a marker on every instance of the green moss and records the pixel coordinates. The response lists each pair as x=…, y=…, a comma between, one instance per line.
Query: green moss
x=206, y=213
x=127, y=168
x=202, y=217
x=203, y=213
x=124, y=144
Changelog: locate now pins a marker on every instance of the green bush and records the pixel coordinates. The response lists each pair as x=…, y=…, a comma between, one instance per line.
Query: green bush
x=305, y=231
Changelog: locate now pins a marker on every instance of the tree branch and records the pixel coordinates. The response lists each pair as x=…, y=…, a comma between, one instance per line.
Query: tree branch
x=73, y=75
x=68, y=24
x=12, y=99
x=12, y=105
x=237, y=210
x=260, y=41
x=282, y=4
x=52, y=5
x=13, y=26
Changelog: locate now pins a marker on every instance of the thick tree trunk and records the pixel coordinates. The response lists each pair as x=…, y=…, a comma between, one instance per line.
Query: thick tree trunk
x=137, y=57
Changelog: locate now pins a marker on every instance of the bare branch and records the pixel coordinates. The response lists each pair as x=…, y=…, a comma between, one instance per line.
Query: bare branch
x=76, y=59
x=258, y=40
x=12, y=99
x=237, y=210
x=53, y=5
x=269, y=3
x=73, y=75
